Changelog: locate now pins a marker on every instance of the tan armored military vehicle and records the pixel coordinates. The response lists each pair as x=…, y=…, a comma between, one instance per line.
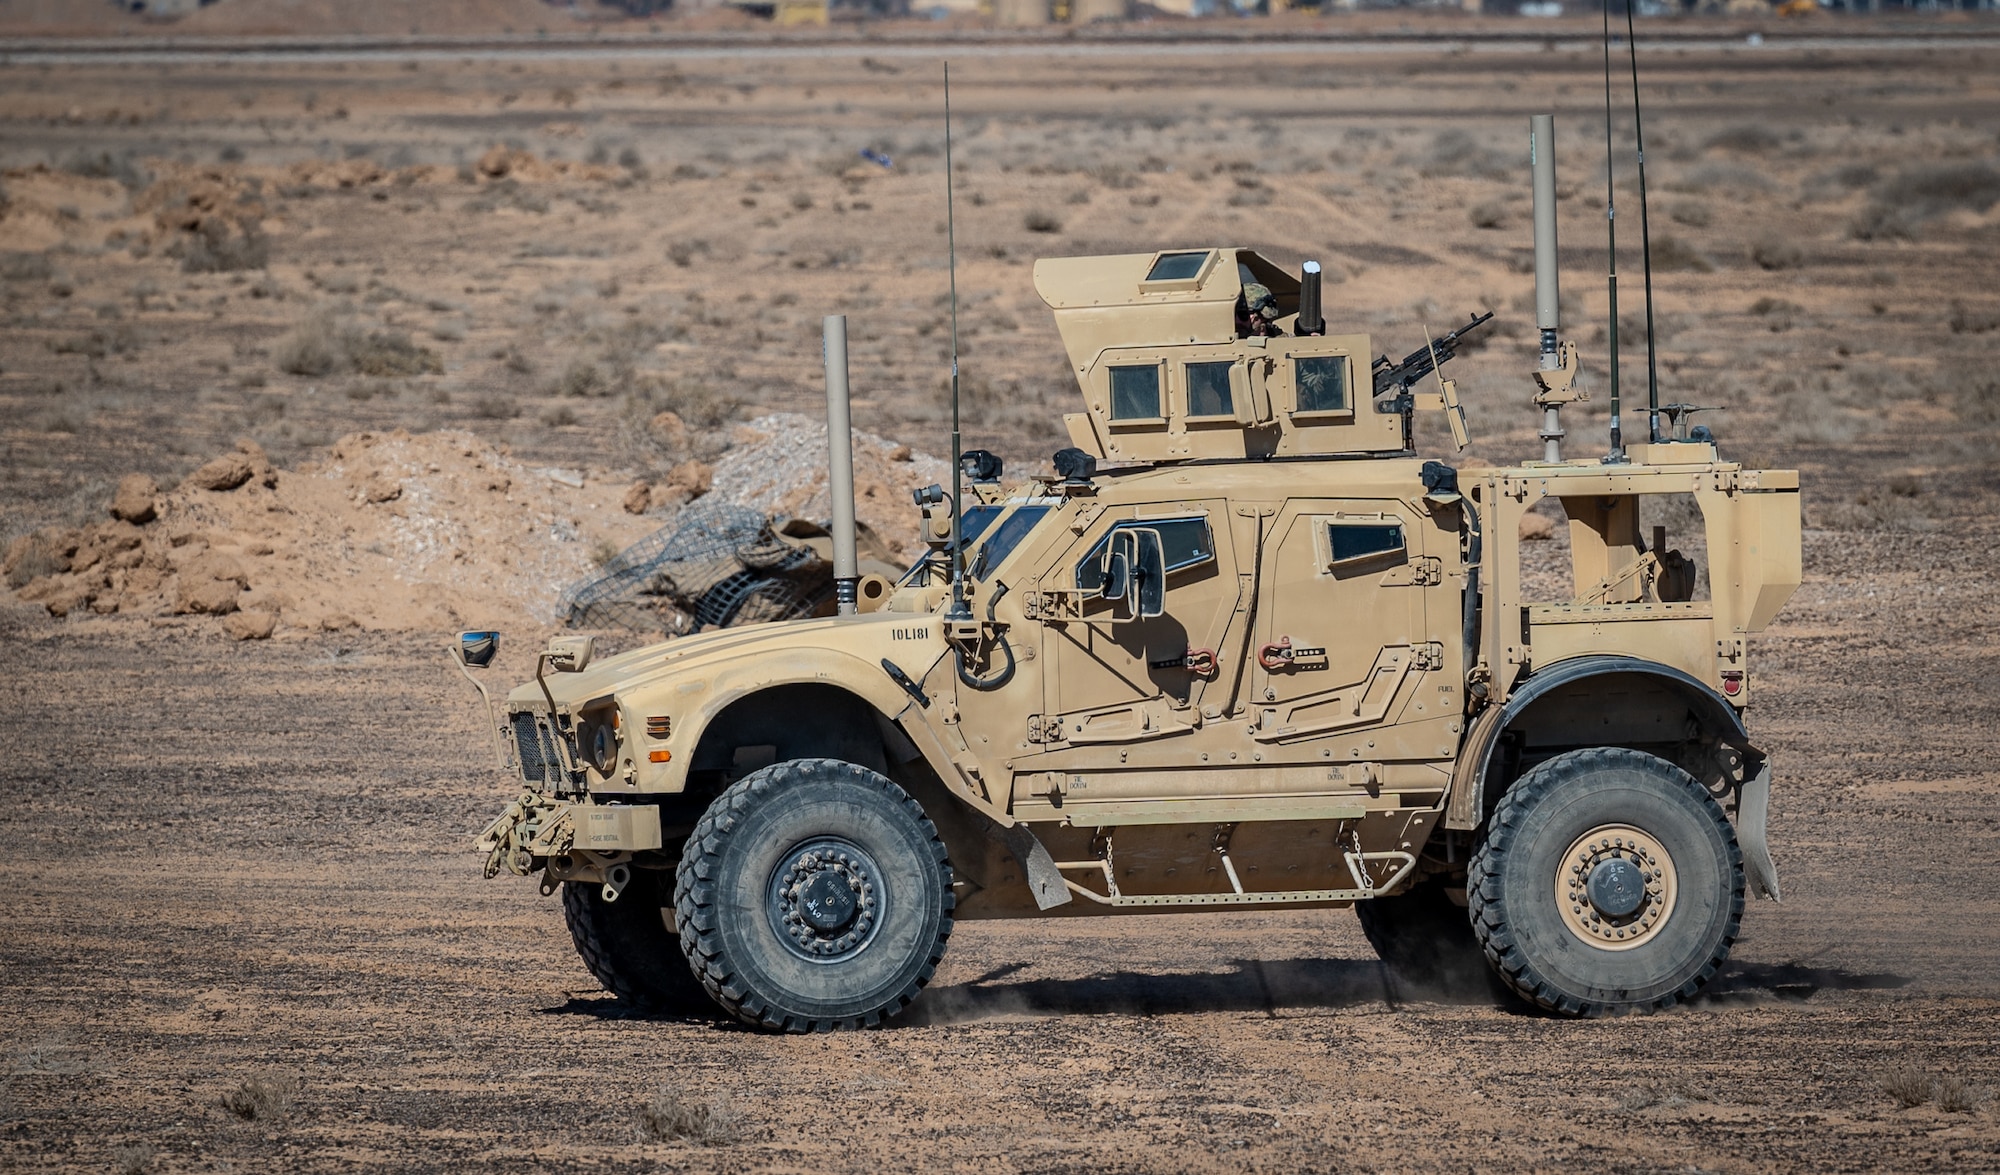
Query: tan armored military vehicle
x=1244, y=649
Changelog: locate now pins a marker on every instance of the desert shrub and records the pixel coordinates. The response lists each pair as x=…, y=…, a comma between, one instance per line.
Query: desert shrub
x=670, y=1115
x=495, y=408
x=313, y=348
x=584, y=377
x=133, y=1160
x=1723, y=177
x=1673, y=255
x=392, y=353
x=1966, y=321
x=1456, y=152
x=35, y=555
x=1764, y=306
x=1491, y=214
x=1899, y=205
x=1041, y=221
x=1746, y=139
x=218, y=247
x=1776, y=253
x=26, y=267
x=104, y=165
x=561, y=416
x=263, y=1099
x=1954, y=1096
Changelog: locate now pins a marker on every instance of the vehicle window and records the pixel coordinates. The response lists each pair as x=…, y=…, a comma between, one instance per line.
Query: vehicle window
x=1363, y=540
x=970, y=526
x=1176, y=267
x=1322, y=382
x=1208, y=389
x=1186, y=542
x=1135, y=392
x=1006, y=536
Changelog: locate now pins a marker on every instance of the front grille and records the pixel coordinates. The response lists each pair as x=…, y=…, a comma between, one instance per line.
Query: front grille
x=535, y=745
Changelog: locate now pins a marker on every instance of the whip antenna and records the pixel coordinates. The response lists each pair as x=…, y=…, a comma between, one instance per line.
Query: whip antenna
x=1645, y=238
x=958, y=605
x=1611, y=232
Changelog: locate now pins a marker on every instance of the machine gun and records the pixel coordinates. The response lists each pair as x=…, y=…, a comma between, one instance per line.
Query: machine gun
x=1399, y=378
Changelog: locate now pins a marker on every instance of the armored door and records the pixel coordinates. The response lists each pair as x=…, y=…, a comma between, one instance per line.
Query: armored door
x=1342, y=645
x=1113, y=682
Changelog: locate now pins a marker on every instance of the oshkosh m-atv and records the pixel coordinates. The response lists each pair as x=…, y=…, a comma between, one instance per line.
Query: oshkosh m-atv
x=1244, y=648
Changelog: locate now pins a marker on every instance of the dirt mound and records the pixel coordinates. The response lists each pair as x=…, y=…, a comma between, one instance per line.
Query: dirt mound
x=778, y=465
x=390, y=531
x=428, y=532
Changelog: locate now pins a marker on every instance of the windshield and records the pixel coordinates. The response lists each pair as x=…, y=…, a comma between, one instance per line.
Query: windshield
x=970, y=526
x=1008, y=535
x=984, y=552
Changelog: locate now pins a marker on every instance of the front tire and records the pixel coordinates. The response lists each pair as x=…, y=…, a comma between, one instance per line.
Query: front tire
x=1607, y=881
x=813, y=895
x=629, y=944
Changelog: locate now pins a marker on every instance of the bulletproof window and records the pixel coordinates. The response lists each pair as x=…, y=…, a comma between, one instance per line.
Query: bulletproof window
x=1208, y=389
x=1186, y=543
x=1006, y=537
x=1321, y=381
x=1135, y=392
x=1177, y=267
x=1351, y=541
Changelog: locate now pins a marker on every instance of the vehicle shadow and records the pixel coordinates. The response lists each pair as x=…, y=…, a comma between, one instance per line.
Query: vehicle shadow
x=1249, y=985
x=1758, y=982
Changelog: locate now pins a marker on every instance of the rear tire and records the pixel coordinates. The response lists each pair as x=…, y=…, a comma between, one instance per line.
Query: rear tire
x=1607, y=881
x=630, y=945
x=1426, y=941
x=813, y=895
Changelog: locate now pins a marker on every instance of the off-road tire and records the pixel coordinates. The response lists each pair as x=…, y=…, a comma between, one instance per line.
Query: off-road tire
x=1426, y=941
x=1512, y=894
x=730, y=901
x=630, y=946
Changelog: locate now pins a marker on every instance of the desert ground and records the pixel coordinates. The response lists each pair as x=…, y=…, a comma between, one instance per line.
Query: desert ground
x=246, y=932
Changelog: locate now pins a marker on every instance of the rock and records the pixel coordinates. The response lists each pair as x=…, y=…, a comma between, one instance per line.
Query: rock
x=69, y=597
x=224, y=473
x=103, y=541
x=135, y=500
x=260, y=462
x=216, y=566
x=337, y=622
x=1537, y=528
x=250, y=626
x=214, y=597
x=694, y=476
x=670, y=431
x=144, y=578
x=639, y=498
x=900, y=453
x=382, y=488
x=104, y=605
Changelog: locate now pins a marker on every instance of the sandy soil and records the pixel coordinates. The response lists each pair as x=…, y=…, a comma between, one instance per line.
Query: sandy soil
x=245, y=861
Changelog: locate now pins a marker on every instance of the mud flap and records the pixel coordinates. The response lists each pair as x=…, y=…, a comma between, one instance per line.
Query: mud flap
x=1045, y=881
x=1753, y=806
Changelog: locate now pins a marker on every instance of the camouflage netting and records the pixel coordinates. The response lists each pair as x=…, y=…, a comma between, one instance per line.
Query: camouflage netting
x=716, y=565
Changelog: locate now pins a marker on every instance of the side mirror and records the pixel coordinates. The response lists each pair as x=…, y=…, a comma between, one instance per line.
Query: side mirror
x=476, y=650
x=1121, y=555
x=1149, y=574
x=571, y=654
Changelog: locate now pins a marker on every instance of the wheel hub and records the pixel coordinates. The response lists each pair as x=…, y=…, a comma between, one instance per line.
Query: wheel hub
x=1616, y=887
x=824, y=900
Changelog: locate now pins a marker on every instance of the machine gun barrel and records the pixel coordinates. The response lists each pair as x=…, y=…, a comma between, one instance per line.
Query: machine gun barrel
x=1390, y=377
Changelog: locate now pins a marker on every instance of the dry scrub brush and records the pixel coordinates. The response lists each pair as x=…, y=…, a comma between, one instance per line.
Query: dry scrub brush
x=267, y=1098
x=671, y=1115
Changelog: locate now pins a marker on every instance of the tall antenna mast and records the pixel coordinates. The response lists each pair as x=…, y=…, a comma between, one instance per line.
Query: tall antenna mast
x=1611, y=231
x=1645, y=237
x=951, y=244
